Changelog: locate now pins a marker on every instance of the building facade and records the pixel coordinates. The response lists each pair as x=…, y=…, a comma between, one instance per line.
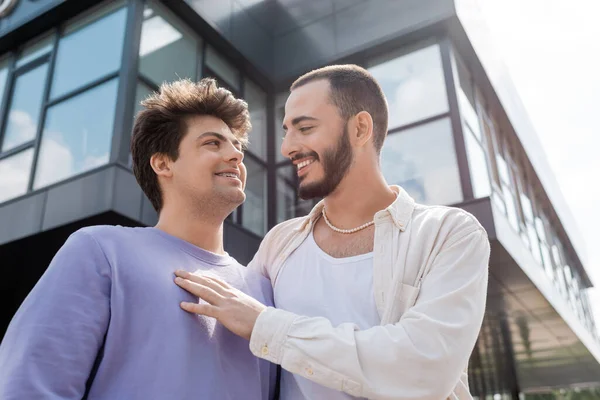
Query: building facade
x=72, y=75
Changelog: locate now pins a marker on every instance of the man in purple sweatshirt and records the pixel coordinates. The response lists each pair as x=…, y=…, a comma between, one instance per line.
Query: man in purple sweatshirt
x=104, y=320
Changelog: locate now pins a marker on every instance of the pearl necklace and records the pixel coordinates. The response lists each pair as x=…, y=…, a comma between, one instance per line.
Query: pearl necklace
x=346, y=231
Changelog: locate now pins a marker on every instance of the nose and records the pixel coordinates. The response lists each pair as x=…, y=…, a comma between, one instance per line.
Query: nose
x=233, y=154
x=289, y=146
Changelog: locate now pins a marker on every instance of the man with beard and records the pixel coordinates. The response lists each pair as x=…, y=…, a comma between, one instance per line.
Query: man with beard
x=103, y=321
x=376, y=296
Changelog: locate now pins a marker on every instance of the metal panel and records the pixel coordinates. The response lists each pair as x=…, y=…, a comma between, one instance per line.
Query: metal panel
x=370, y=22
x=25, y=11
x=80, y=198
x=21, y=218
x=251, y=39
x=218, y=13
x=303, y=48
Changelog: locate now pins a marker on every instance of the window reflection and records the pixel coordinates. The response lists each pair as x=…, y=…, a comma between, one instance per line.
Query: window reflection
x=279, y=115
x=286, y=200
x=167, y=51
x=3, y=76
x=35, y=49
x=254, y=209
x=77, y=135
x=422, y=160
x=25, y=108
x=14, y=174
x=478, y=168
x=89, y=53
x=257, y=105
x=222, y=68
x=413, y=85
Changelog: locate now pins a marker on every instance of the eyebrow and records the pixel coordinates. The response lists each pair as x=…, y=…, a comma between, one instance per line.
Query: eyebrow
x=220, y=137
x=299, y=119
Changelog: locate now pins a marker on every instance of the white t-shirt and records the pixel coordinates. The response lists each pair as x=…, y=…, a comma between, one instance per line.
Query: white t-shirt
x=314, y=284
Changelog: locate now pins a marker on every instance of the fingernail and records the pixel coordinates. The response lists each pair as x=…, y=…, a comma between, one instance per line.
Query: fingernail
x=178, y=280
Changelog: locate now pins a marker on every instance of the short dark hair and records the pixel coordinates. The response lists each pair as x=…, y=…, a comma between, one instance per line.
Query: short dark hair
x=353, y=89
x=162, y=124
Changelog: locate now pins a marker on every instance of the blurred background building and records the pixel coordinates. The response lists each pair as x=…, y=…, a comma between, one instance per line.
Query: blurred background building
x=72, y=74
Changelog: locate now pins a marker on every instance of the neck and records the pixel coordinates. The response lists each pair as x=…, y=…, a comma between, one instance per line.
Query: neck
x=358, y=197
x=204, y=231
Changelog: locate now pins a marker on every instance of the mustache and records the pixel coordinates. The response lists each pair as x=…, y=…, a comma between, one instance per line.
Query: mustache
x=300, y=156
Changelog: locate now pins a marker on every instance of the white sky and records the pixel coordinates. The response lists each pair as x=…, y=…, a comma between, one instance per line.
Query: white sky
x=552, y=49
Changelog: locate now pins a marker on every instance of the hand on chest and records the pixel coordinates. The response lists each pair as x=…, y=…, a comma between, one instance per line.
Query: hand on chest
x=340, y=245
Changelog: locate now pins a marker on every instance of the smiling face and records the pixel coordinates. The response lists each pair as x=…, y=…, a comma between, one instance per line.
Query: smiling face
x=209, y=171
x=316, y=140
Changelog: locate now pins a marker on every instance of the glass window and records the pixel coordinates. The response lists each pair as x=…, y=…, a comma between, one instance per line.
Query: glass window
x=25, y=108
x=222, y=68
x=547, y=262
x=502, y=169
x=257, y=105
x=14, y=174
x=469, y=115
x=286, y=200
x=527, y=208
x=89, y=52
x=490, y=133
x=511, y=208
x=413, y=85
x=539, y=226
x=422, y=160
x=288, y=172
x=35, y=49
x=254, y=215
x=478, y=168
x=279, y=115
x=167, y=51
x=77, y=134
x=141, y=93
x=3, y=77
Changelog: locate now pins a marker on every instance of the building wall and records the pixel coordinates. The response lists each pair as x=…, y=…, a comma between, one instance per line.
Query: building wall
x=286, y=38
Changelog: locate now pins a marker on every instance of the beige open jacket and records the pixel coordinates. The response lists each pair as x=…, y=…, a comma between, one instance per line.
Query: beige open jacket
x=430, y=272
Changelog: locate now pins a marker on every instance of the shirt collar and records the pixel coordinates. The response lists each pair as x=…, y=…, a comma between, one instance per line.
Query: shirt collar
x=400, y=211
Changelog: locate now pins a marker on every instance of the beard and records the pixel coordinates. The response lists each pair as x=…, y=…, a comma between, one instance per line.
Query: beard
x=336, y=163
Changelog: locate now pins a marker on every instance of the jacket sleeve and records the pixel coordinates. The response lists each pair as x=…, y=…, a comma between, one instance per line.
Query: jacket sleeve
x=421, y=357
x=53, y=339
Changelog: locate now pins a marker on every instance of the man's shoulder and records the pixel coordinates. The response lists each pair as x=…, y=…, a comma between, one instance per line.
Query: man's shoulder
x=104, y=236
x=451, y=219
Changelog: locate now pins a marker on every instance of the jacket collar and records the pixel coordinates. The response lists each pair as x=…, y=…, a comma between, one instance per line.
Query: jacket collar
x=400, y=211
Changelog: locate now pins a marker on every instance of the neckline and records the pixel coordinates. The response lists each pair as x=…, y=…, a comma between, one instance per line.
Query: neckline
x=336, y=260
x=195, y=251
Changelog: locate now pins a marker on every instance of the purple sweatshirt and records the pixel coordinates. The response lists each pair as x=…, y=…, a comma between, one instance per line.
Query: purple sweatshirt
x=107, y=302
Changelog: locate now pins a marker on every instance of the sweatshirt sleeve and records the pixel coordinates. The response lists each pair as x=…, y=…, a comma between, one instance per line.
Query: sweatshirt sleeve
x=52, y=341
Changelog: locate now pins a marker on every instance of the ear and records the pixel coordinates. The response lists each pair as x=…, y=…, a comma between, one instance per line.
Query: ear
x=161, y=164
x=362, y=131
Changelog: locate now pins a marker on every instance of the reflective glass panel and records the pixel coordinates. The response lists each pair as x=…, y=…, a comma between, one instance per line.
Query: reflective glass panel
x=167, y=50
x=14, y=174
x=254, y=216
x=77, y=135
x=257, y=105
x=25, y=108
x=37, y=48
x=222, y=67
x=89, y=52
x=478, y=167
x=413, y=85
x=422, y=160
